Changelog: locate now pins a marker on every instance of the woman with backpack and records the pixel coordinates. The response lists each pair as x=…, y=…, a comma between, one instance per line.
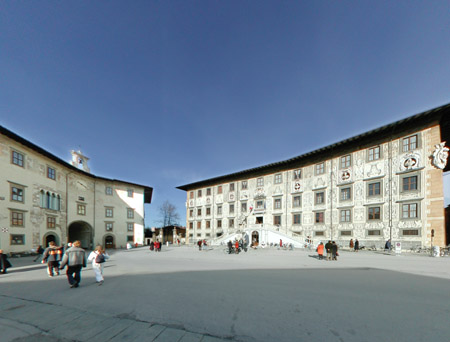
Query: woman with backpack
x=98, y=257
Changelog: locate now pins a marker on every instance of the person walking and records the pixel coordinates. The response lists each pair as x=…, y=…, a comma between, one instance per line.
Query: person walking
x=356, y=245
x=199, y=244
x=320, y=250
x=40, y=252
x=334, y=250
x=52, y=256
x=4, y=263
x=328, y=247
x=98, y=257
x=230, y=246
x=387, y=246
x=236, y=246
x=75, y=259
x=351, y=244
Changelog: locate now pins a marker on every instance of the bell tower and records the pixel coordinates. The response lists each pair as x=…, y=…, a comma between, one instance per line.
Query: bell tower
x=80, y=161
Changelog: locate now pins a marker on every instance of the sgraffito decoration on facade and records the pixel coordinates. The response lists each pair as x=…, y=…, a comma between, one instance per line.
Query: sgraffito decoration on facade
x=345, y=176
x=410, y=161
x=259, y=193
x=440, y=155
x=297, y=187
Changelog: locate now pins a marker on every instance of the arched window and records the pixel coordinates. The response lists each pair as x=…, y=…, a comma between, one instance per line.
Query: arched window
x=53, y=202
x=42, y=199
x=48, y=200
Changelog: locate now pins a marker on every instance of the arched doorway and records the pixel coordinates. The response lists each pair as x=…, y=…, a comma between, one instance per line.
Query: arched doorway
x=255, y=238
x=81, y=231
x=109, y=241
x=50, y=237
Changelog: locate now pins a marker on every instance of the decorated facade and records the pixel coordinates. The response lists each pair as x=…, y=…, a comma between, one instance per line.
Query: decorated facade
x=380, y=185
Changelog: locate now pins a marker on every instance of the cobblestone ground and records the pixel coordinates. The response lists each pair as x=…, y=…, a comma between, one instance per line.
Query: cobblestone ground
x=182, y=294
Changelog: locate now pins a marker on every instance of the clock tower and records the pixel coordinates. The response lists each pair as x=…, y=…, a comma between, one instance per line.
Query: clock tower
x=80, y=161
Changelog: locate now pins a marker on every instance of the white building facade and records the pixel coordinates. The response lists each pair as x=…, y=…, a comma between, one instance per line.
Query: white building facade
x=384, y=184
x=43, y=199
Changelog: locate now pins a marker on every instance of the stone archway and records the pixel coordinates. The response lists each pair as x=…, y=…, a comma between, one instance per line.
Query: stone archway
x=83, y=232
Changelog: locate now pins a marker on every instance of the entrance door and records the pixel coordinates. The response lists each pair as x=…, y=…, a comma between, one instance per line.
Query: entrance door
x=259, y=220
x=255, y=238
x=109, y=242
x=49, y=238
x=81, y=231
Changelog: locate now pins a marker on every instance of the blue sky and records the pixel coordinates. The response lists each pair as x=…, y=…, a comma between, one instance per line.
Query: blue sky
x=164, y=93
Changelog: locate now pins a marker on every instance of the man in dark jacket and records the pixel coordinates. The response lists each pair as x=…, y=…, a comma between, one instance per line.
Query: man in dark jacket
x=39, y=252
x=52, y=255
x=4, y=263
x=329, y=247
x=75, y=258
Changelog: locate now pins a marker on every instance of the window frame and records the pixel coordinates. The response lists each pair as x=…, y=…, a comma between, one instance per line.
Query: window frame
x=275, y=219
x=108, y=190
x=130, y=213
x=372, y=153
x=345, y=161
x=409, y=217
x=294, y=219
x=380, y=213
x=370, y=183
x=345, y=215
x=15, y=197
x=260, y=182
x=13, y=240
x=277, y=203
x=278, y=178
x=409, y=144
x=109, y=224
x=16, y=160
x=130, y=224
x=319, y=217
x=319, y=195
x=342, y=191
x=17, y=219
x=51, y=173
x=410, y=175
x=109, y=212
x=81, y=209
x=51, y=222
x=297, y=203
x=319, y=169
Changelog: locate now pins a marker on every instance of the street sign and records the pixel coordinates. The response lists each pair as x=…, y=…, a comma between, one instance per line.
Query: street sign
x=398, y=248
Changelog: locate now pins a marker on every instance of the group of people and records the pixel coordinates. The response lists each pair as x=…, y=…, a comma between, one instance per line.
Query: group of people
x=155, y=246
x=354, y=245
x=201, y=243
x=72, y=255
x=236, y=246
x=330, y=247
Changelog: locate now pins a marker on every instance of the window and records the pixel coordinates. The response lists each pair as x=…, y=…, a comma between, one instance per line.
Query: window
x=345, y=215
x=109, y=212
x=130, y=192
x=191, y=213
x=231, y=223
x=410, y=232
x=231, y=186
x=130, y=213
x=244, y=185
x=199, y=212
x=17, y=158
x=374, y=232
x=319, y=217
x=130, y=238
x=231, y=209
x=260, y=181
x=17, y=193
x=297, y=201
x=409, y=143
x=51, y=222
x=297, y=174
x=346, y=233
x=199, y=193
x=208, y=224
x=277, y=220
x=244, y=207
x=277, y=203
x=191, y=195
x=109, y=226
x=374, y=153
x=346, y=194
x=81, y=209
x=17, y=239
x=17, y=219
x=319, y=233
x=130, y=227
x=409, y=183
x=109, y=191
x=409, y=210
x=374, y=189
x=278, y=179
x=346, y=161
x=208, y=192
x=219, y=223
x=374, y=213
x=51, y=173
x=219, y=210
x=208, y=211
x=320, y=197
x=259, y=204
x=191, y=225
x=320, y=169
x=296, y=219
x=219, y=189
x=199, y=225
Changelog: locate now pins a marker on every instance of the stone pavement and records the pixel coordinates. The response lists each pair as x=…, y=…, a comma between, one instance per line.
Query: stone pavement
x=31, y=321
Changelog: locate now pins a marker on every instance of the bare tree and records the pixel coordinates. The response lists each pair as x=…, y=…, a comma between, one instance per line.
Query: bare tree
x=168, y=214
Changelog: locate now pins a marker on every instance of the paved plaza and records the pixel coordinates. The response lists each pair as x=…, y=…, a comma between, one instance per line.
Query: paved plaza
x=182, y=294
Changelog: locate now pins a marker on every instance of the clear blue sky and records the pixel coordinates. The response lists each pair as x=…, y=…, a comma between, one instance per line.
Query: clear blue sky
x=165, y=93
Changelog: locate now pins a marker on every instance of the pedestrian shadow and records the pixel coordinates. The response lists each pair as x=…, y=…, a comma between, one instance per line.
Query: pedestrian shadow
x=315, y=256
x=19, y=270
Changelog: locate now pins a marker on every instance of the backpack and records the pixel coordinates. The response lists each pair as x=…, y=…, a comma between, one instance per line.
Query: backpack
x=100, y=258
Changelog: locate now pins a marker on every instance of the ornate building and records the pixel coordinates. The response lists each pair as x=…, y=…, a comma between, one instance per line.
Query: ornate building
x=383, y=184
x=43, y=199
